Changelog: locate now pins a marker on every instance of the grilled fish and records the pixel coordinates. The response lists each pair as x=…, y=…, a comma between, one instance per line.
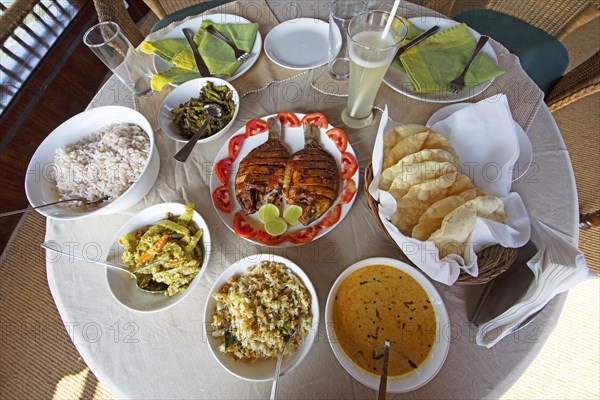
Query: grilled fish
x=312, y=178
x=261, y=171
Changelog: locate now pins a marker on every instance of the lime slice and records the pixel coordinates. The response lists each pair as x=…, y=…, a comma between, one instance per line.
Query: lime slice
x=291, y=214
x=276, y=227
x=267, y=213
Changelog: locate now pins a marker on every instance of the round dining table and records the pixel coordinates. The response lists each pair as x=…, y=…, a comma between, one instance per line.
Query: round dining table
x=165, y=355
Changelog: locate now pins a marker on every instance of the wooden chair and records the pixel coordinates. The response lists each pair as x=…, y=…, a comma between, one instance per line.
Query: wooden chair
x=557, y=18
x=114, y=10
x=162, y=8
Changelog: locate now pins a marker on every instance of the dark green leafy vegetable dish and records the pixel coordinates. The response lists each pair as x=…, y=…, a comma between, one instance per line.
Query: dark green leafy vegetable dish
x=167, y=255
x=190, y=116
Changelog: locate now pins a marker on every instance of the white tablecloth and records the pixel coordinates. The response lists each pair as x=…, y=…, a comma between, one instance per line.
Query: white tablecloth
x=164, y=355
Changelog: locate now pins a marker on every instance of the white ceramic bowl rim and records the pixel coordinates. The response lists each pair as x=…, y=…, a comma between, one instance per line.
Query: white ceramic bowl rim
x=123, y=289
x=63, y=130
x=260, y=370
x=439, y=351
x=185, y=92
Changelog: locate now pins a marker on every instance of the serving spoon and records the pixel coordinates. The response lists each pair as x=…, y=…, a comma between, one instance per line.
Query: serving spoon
x=80, y=199
x=381, y=394
x=53, y=246
x=279, y=360
x=213, y=111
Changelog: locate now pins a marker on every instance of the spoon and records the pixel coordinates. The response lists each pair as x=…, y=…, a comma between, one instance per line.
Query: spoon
x=81, y=199
x=384, y=371
x=53, y=246
x=278, y=367
x=213, y=111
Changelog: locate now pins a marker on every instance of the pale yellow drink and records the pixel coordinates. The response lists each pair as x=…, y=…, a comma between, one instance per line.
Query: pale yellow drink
x=371, y=53
x=368, y=66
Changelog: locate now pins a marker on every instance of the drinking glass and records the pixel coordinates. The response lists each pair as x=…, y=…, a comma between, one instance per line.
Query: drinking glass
x=339, y=18
x=370, y=56
x=111, y=46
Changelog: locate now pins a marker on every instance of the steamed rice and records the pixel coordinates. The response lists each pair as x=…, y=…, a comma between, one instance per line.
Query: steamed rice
x=258, y=310
x=106, y=163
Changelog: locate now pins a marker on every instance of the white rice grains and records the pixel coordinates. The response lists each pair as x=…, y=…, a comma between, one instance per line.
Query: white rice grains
x=106, y=163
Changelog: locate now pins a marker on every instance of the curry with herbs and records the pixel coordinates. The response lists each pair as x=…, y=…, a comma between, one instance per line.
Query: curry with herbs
x=380, y=302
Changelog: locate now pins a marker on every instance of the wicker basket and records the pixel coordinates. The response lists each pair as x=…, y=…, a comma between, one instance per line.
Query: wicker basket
x=492, y=261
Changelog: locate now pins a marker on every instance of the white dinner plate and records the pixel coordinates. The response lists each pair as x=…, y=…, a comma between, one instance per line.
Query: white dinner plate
x=437, y=356
x=400, y=82
x=301, y=43
x=293, y=139
x=525, y=149
x=161, y=65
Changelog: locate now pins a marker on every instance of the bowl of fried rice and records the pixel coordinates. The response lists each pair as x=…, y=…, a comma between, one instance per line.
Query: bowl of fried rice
x=254, y=307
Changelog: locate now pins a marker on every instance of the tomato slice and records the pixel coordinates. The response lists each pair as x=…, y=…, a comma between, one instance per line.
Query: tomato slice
x=331, y=218
x=222, y=170
x=304, y=236
x=349, y=191
x=255, y=126
x=316, y=118
x=339, y=138
x=234, y=146
x=222, y=199
x=269, y=240
x=242, y=228
x=349, y=166
x=288, y=119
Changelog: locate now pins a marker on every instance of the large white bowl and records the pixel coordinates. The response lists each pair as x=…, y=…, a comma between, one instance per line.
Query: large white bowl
x=184, y=93
x=124, y=289
x=259, y=370
x=437, y=356
x=41, y=188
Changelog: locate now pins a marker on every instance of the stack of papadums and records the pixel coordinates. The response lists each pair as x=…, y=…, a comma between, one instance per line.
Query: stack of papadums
x=435, y=202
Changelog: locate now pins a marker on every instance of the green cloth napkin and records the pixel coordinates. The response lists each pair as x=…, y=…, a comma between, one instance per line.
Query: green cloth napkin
x=217, y=54
x=433, y=63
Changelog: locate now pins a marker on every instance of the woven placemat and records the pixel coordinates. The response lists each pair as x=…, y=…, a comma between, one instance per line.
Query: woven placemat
x=37, y=358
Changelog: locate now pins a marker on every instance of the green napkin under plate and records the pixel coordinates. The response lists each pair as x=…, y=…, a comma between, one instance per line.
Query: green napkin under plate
x=217, y=54
x=436, y=61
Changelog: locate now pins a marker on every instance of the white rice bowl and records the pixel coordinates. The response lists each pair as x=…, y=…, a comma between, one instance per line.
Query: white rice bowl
x=106, y=151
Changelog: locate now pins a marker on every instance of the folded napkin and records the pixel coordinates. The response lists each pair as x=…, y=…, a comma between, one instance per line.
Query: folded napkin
x=217, y=54
x=439, y=59
x=484, y=137
x=557, y=267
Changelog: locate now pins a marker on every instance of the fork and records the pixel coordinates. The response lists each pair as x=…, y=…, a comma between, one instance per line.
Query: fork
x=240, y=55
x=458, y=84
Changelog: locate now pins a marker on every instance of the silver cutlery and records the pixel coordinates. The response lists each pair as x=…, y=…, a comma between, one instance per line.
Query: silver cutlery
x=54, y=247
x=458, y=84
x=80, y=199
x=240, y=55
x=384, y=372
x=202, y=67
x=279, y=360
x=212, y=111
x=416, y=40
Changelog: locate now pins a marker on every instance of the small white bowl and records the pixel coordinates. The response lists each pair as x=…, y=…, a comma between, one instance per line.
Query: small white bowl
x=184, y=93
x=124, y=289
x=259, y=370
x=41, y=188
x=438, y=354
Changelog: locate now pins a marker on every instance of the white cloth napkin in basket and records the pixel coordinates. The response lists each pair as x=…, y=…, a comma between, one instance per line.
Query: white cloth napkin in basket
x=557, y=267
x=484, y=137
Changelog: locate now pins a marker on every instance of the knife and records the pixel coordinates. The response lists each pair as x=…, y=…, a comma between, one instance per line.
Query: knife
x=505, y=290
x=189, y=35
x=416, y=41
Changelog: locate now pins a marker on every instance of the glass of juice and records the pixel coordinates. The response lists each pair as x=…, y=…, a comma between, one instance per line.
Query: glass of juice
x=371, y=50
